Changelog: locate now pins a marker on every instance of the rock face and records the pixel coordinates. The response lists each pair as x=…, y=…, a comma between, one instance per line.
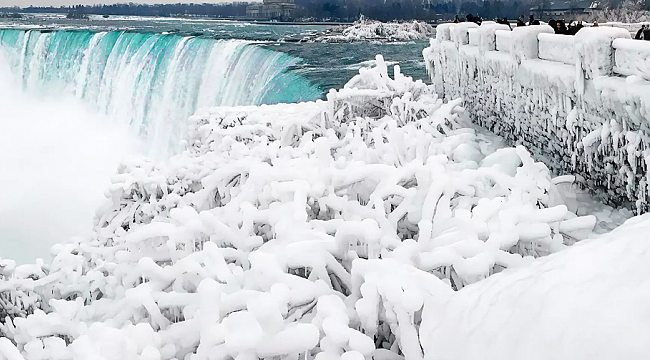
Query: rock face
x=580, y=103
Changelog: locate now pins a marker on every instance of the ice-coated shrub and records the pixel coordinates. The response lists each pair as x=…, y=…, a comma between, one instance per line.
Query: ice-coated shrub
x=365, y=29
x=312, y=230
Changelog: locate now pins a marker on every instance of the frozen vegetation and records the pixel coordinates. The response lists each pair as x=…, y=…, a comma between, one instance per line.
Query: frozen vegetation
x=371, y=30
x=378, y=224
x=629, y=12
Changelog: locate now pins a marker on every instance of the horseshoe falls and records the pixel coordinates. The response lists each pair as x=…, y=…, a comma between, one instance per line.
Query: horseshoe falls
x=152, y=82
x=76, y=103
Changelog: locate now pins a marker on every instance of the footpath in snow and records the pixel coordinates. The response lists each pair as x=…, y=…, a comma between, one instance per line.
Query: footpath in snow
x=378, y=224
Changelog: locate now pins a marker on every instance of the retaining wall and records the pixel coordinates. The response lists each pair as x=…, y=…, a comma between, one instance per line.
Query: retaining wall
x=580, y=103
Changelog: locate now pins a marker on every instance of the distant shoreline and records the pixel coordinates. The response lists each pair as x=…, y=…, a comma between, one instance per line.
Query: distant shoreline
x=234, y=19
x=297, y=22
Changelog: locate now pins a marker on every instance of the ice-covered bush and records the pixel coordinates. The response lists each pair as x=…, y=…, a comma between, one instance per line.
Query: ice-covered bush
x=588, y=302
x=630, y=11
x=370, y=30
x=305, y=230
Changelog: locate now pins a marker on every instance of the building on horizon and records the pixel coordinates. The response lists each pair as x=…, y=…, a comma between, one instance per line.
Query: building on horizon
x=282, y=10
x=568, y=10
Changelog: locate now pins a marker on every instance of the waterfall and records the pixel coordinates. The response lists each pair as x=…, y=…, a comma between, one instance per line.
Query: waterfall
x=152, y=82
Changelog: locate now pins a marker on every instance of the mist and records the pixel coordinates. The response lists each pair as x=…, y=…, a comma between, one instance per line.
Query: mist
x=56, y=160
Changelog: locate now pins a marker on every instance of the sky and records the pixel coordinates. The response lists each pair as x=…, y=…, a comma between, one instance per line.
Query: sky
x=26, y=3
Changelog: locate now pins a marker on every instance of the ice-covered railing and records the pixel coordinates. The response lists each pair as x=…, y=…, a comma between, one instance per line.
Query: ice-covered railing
x=632, y=57
x=631, y=27
x=313, y=230
x=579, y=102
x=503, y=40
x=473, y=37
x=556, y=47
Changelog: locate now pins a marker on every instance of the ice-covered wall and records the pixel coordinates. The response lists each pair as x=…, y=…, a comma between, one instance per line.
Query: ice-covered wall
x=581, y=103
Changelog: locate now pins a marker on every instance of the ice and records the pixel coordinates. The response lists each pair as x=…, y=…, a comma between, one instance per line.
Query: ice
x=356, y=227
x=525, y=41
x=594, y=51
x=579, y=301
x=560, y=96
x=365, y=29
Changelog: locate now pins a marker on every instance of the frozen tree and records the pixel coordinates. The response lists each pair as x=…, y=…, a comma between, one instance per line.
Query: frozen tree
x=322, y=230
x=630, y=11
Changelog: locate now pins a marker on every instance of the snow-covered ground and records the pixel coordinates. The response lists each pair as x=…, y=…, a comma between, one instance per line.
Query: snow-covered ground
x=336, y=229
x=371, y=30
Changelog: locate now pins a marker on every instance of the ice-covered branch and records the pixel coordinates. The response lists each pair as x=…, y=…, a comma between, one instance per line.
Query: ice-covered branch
x=304, y=230
x=371, y=30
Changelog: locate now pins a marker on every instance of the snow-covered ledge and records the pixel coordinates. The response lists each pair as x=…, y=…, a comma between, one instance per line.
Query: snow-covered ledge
x=581, y=104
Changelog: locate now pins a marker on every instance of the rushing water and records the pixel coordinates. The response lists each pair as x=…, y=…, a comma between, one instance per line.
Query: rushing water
x=78, y=96
x=153, y=82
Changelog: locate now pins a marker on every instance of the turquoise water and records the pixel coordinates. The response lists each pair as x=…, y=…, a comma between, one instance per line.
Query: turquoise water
x=153, y=81
x=78, y=96
x=154, y=74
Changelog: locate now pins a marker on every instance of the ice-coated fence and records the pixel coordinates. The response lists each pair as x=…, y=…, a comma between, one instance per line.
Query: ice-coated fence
x=581, y=103
x=631, y=57
x=473, y=37
x=503, y=38
x=554, y=47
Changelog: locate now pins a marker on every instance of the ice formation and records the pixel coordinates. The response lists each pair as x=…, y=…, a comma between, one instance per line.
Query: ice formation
x=578, y=103
x=152, y=81
x=336, y=229
x=588, y=302
x=371, y=30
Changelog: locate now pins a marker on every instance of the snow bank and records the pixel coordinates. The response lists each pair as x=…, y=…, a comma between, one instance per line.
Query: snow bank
x=562, y=98
x=306, y=230
x=589, y=302
x=371, y=30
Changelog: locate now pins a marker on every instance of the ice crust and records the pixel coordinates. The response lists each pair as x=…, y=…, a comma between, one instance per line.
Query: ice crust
x=579, y=103
x=370, y=30
x=355, y=228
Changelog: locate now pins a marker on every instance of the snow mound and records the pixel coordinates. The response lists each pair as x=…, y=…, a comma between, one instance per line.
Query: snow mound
x=306, y=230
x=588, y=302
x=370, y=30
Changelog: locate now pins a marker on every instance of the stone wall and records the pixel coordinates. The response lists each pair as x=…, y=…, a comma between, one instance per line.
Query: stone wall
x=579, y=103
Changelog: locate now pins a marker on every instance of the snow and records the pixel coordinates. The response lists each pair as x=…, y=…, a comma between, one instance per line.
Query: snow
x=487, y=37
x=556, y=47
x=370, y=30
x=359, y=227
x=594, y=50
x=525, y=41
x=631, y=58
x=550, y=92
x=587, y=302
